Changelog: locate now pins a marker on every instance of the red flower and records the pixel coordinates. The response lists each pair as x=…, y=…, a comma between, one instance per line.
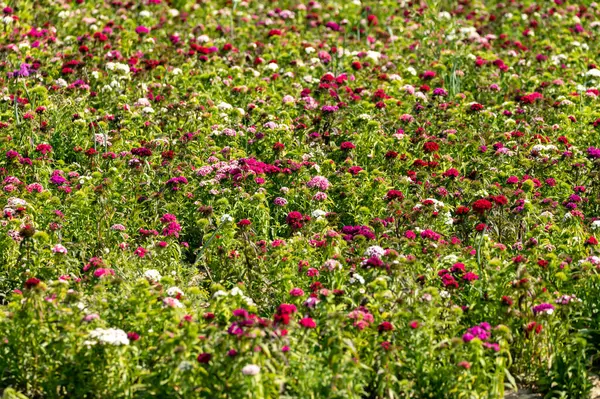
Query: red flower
x=475, y=107
x=533, y=326
x=500, y=199
x=428, y=75
x=507, y=301
x=592, y=241
x=32, y=283
x=346, y=146
x=451, y=173
x=480, y=227
x=385, y=326
x=482, y=205
x=133, y=336
x=430, y=146
x=204, y=358
x=244, y=223
x=462, y=210
x=354, y=170
x=296, y=220
x=394, y=194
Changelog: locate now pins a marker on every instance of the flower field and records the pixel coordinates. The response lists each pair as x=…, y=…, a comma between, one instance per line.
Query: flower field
x=287, y=199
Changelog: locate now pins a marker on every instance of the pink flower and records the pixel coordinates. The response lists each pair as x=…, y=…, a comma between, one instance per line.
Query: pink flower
x=141, y=252
x=101, y=272
x=320, y=196
x=59, y=249
x=307, y=322
x=312, y=272
x=91, y=317
x=319, y=182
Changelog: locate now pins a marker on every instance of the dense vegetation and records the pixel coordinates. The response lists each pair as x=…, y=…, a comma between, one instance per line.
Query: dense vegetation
x=261, y=199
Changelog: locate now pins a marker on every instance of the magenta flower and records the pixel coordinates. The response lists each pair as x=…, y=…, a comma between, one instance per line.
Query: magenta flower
x=142, y=30
x=307, y=322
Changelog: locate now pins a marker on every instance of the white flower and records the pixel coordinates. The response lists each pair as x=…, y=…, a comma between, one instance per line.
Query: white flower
x=109, y=336
x=226, y=218
x=61, y=82
x=450, y=258
x=117, y=66
x=567, y=216
x=375, y=251
x=152, y=275
x=142, y=102
x=596, y=224
x=318, y=213
x=374, y=55
x=176, y=71
x=357, y=277
x=223, y=106
x=593, y=72
x=174, y=291
x=185, y=366
x=14, y=202
x=251, y=369
x=272, y=66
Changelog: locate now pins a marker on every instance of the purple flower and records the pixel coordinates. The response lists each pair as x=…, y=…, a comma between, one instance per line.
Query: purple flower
x=593, y=152
x=57, y=179
x=545, y=308
x=329, y=108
